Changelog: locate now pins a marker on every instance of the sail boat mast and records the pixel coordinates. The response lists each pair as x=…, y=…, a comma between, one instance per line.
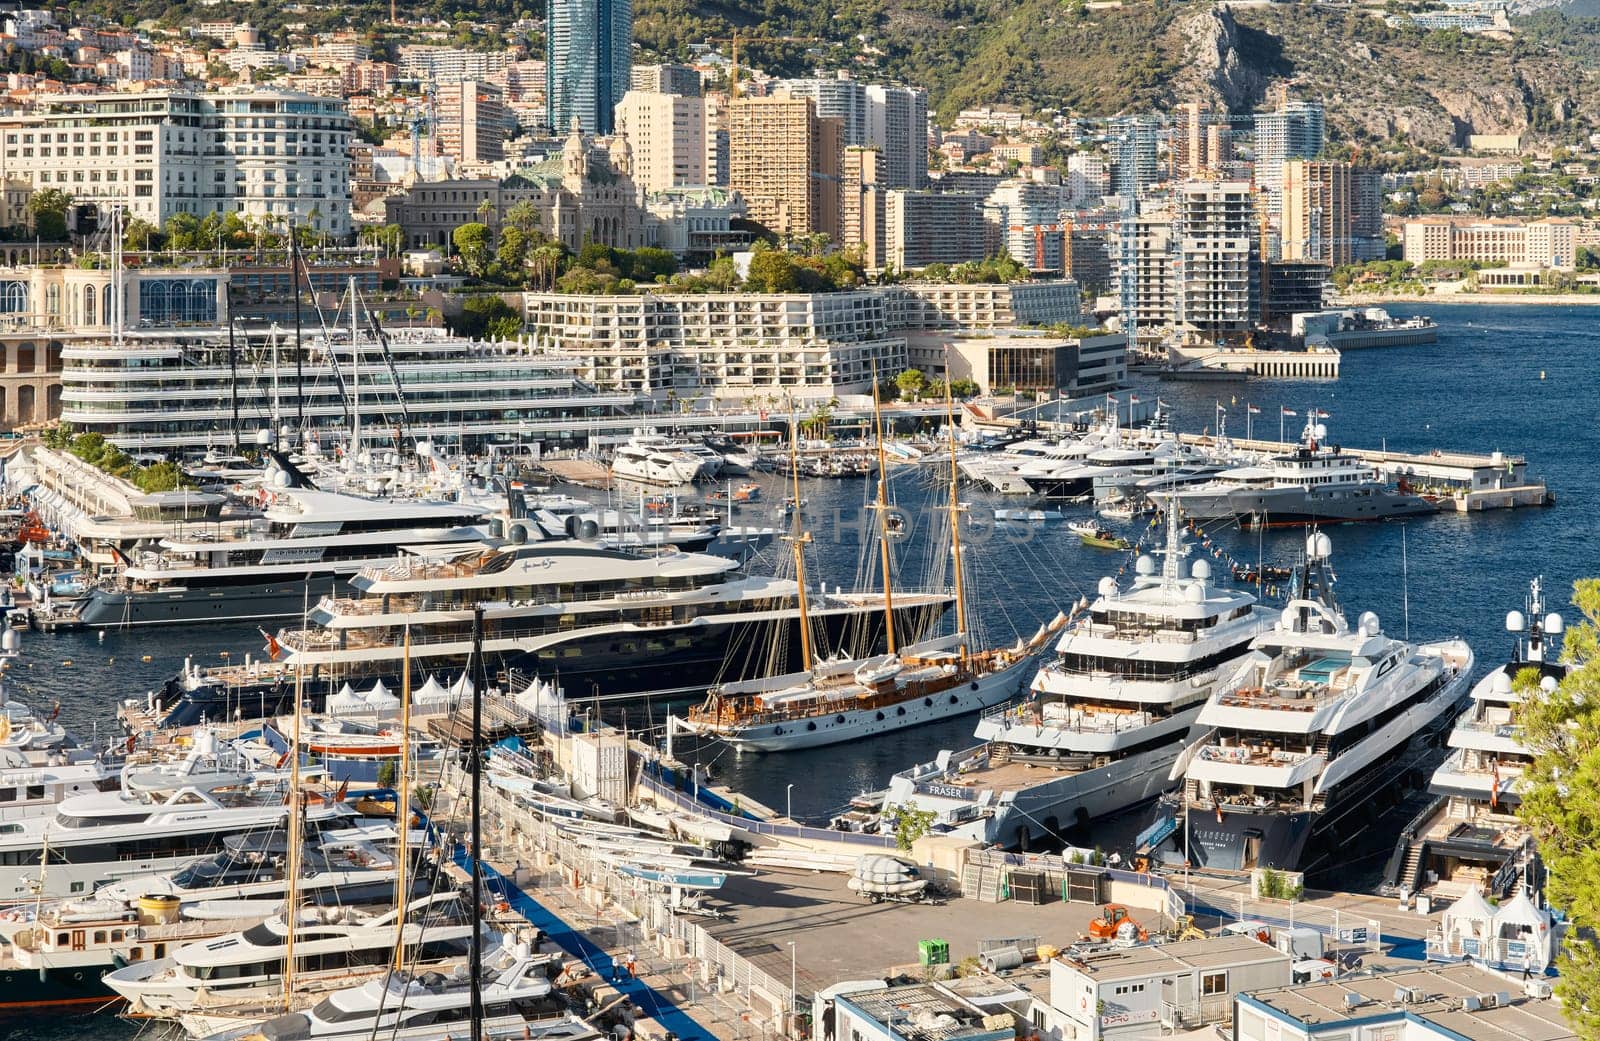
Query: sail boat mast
x=798, y=538
x=883, y=518
x=955, y=510
x=402, y=809
x=291, y=905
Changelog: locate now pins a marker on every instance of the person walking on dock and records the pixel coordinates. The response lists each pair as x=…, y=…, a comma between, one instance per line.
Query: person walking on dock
x=630, y=965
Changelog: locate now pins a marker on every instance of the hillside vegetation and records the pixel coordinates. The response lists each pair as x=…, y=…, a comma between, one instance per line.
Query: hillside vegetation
x=1381, y=83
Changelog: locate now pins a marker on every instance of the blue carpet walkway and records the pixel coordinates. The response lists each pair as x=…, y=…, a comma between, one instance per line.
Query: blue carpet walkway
x=657, y=1007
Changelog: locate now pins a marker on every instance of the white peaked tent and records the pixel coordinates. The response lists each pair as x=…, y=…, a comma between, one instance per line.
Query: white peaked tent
x=430, y=693
x=346, y=702
x=1519, y=921
x=1469, y=926
x=378, y=699
x=461, y=688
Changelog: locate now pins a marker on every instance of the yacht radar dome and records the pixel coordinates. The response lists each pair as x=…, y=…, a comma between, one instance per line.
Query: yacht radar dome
x=1553, y=623
x=263, y=438
x=10, y=642
x=1318, y=546
x=1515, y=623
x=1502, y=683
x=1369, y=624
x=1194, y=593
x=1145, y=565
x=1320, y=431
x=1201, y=569
x=1108, y=587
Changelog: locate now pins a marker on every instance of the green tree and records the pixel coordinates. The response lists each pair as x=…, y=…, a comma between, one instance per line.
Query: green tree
x=385, y=236
x=47, y=209
x=772, y=271
x=182, y=232
x=487, y=316
x=512, y=255
x=964, y=388
x=524, y=216
x=910, y=824
x=911, y=383
x=472, y=246
x=1558, y=793
x=140, y=234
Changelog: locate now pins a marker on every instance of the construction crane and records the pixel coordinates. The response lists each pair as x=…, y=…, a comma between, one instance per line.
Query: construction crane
x=736, y=40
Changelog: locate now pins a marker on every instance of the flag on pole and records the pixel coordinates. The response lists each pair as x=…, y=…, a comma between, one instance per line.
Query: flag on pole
x=273, y=648
x=1133, y=399
x=1162, y=404
x=1253, y=410
x=1320, y=414
x=1220, y=408
x=1287, y=412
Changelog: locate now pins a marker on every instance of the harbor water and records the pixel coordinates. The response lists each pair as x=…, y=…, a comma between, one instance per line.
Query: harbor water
x=1517, y=378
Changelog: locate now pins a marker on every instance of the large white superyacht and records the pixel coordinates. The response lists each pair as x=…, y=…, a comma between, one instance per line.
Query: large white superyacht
x=581, y=612
x=1312, y=735
x=1469, y=836
x=161, y=816
x=1105, y=720
x=299, y=545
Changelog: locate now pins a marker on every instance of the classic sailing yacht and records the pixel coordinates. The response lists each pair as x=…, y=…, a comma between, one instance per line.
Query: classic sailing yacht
x=833, y=701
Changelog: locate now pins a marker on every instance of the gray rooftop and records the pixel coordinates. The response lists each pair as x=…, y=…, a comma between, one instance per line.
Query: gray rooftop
x=1444, y=993
x=926, y=1012
x=1213, y=952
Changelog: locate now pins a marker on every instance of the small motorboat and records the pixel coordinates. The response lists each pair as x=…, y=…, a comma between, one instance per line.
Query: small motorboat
x=1103, y=538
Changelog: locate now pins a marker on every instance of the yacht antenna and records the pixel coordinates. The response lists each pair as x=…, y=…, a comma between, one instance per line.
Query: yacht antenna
x=277, y=401
x=1535, y=620
x=955, y=504
x=798, y=538
x=1405, y=584
x=1174, y=548
x=883, y=517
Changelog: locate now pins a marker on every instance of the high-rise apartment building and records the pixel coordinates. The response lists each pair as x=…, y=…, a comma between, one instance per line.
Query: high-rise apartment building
x=471, y=120
x=667, y=79
x=897, y=123
x=892, y=119
x=834, y=97
x=1088, y=179
x=1201, y=140
x=1295, y=130
x=1024, y=218
x=588, y=62
x=668, y=135
x=263, y=153
x=784, y=160
x=1134, y=148
x=1332, y=213
x=862, y=195
x=1217, y=296
x=923, y=227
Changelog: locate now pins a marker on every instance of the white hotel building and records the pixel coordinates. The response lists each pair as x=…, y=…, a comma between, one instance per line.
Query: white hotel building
x=259, y=153
x=734, y=346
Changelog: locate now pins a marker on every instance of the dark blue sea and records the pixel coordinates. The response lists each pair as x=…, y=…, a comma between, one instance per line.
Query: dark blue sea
x=1516, y=378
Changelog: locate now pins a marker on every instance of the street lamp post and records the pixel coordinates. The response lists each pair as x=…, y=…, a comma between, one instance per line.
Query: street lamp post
x=794, y=988
x=788, y=798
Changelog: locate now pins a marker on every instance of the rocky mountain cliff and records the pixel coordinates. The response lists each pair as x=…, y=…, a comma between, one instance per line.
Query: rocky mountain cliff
x=1382, y=84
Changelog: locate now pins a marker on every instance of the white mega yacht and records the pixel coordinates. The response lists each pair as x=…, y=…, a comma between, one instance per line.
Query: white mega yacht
x=1313, y=733
x=658, y=460
x=1106, y=718
x=1469, y=837
x=158, y=817
x=554, y=605
x=517, y=998
x=301, y=543
x=330, y=944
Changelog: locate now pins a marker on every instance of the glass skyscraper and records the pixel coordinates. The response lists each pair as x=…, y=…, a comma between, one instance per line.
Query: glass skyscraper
x=588, y=60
